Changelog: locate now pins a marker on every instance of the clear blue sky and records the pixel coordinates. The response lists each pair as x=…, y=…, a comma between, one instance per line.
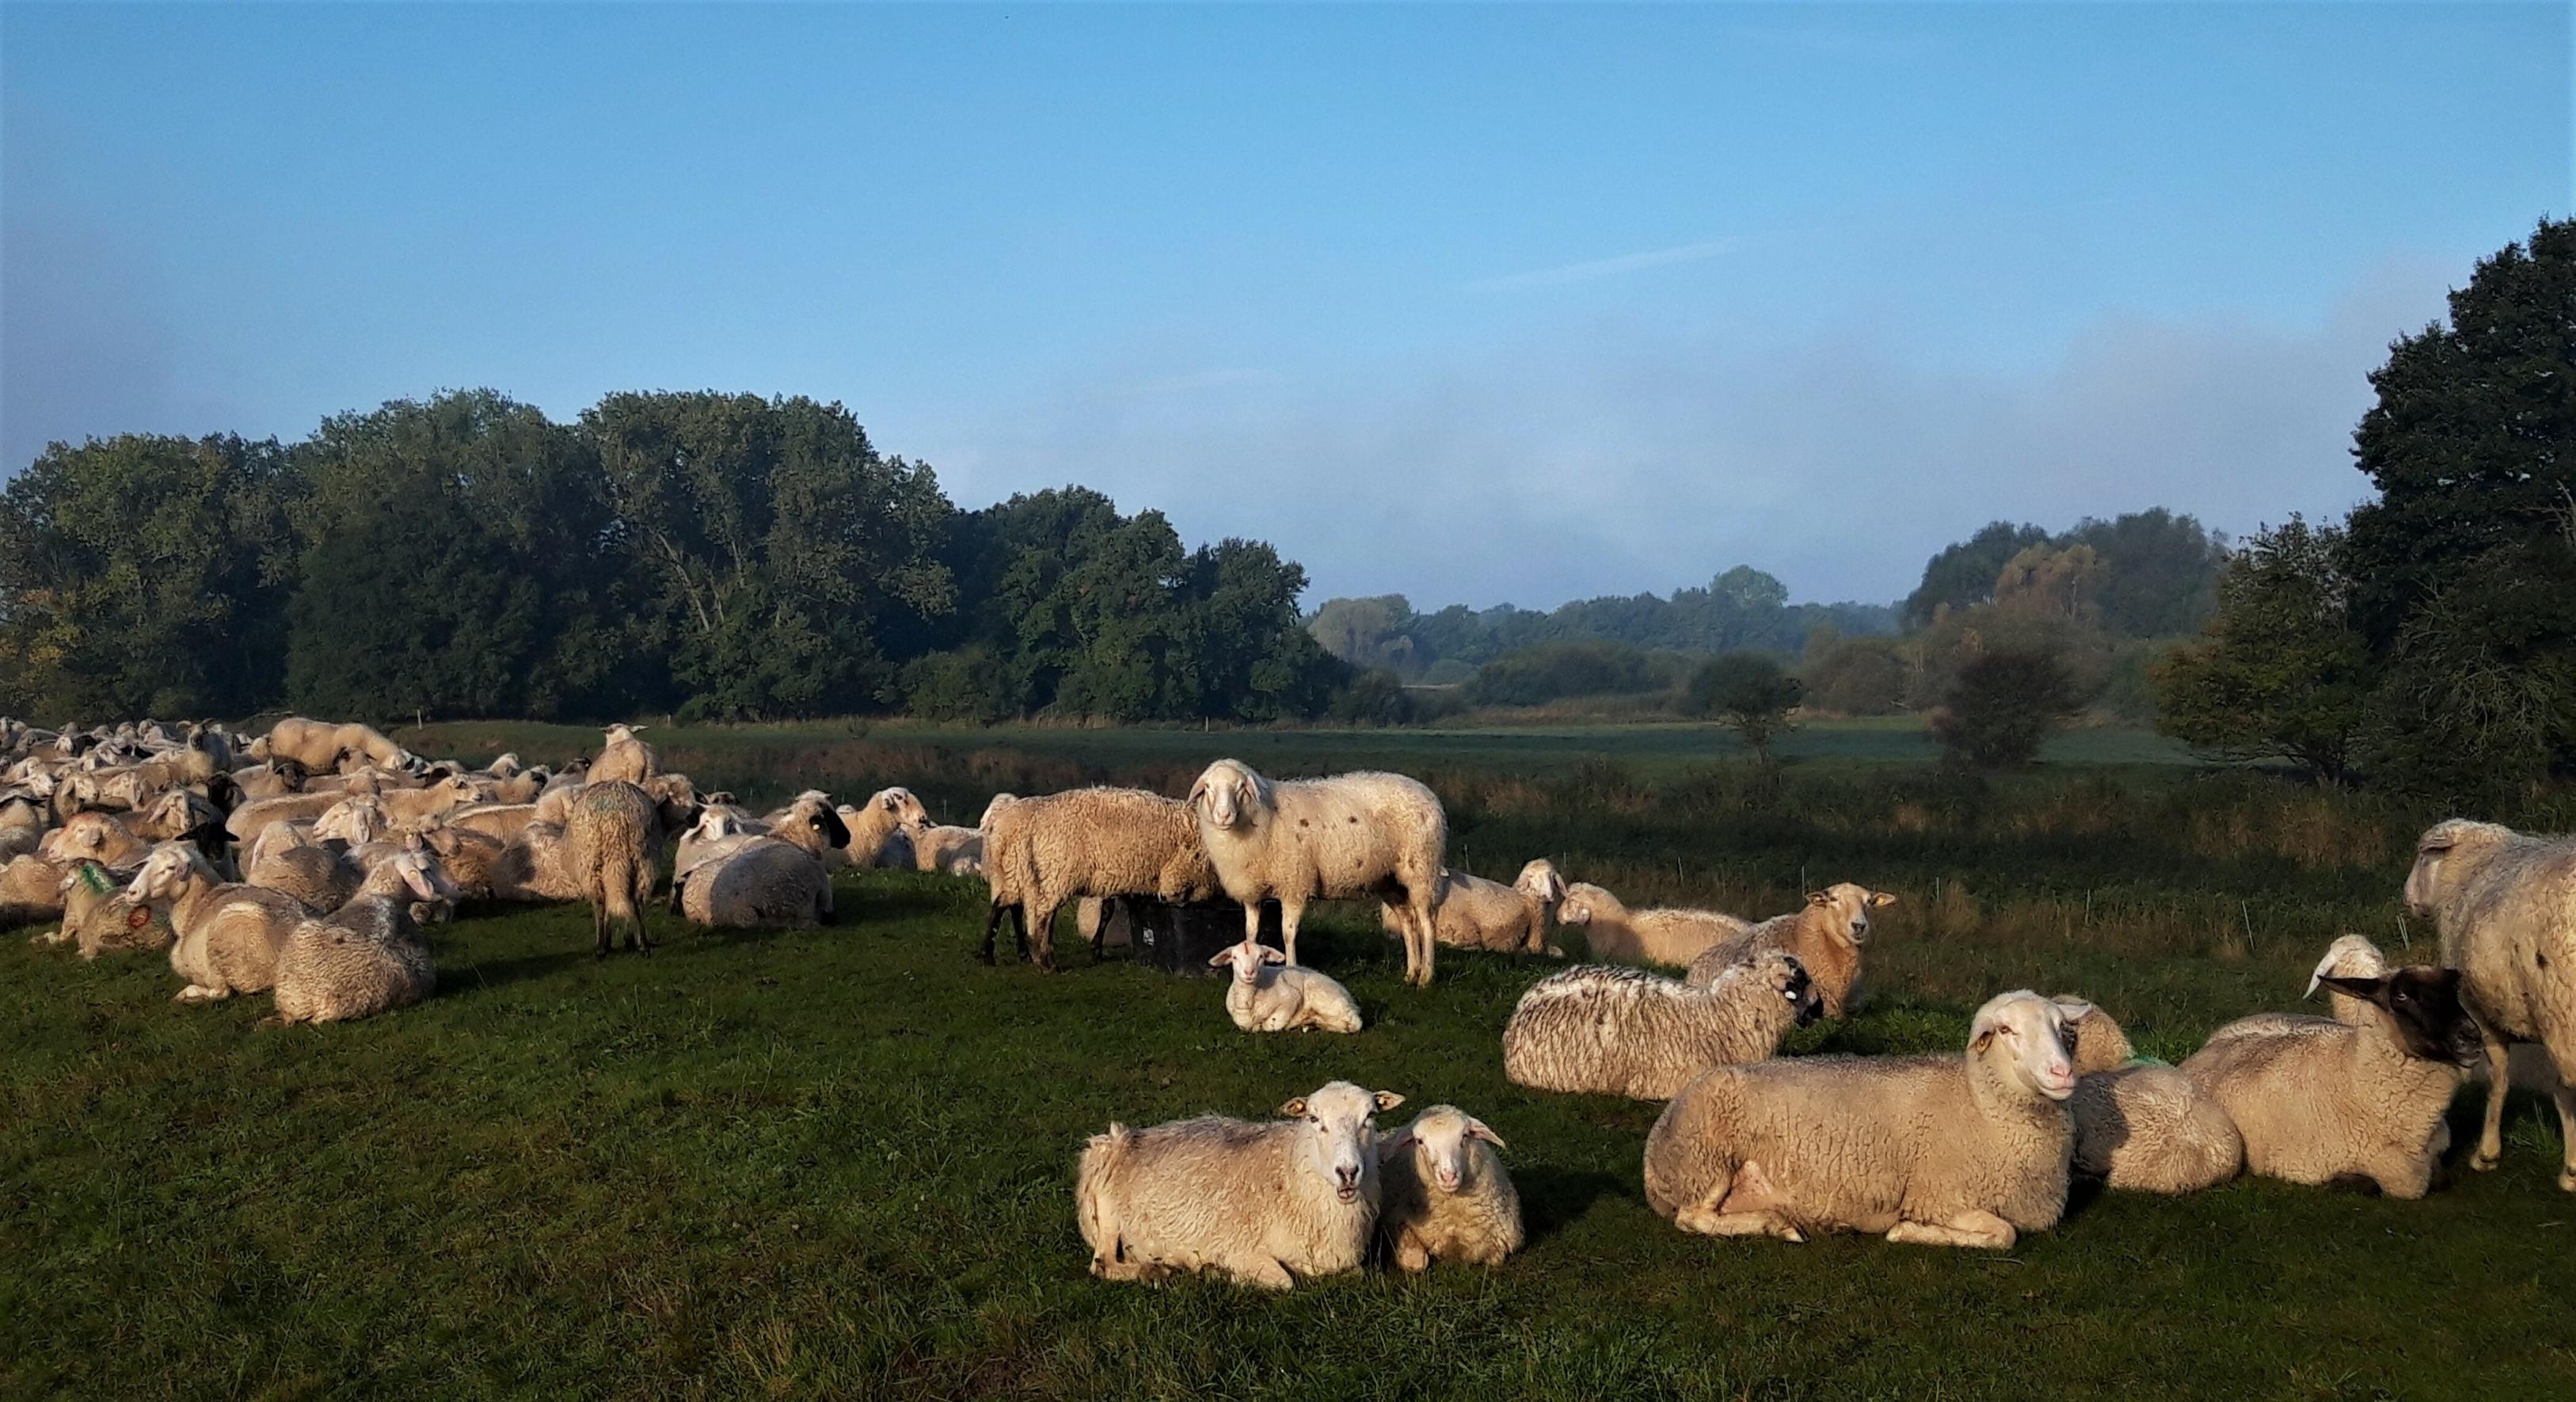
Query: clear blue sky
x=1476, y=304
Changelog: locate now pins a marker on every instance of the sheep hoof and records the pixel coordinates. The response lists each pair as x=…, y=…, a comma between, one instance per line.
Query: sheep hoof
x=2567, y=1180
x=2485, y=1162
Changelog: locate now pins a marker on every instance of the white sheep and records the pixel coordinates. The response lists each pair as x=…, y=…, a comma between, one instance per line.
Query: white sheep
x=2141, y=1125
x=2505, y=903
x=880, y=829
x=367, y=957
x=622, y=756
x=954, y=851
x=1444, y=1194
x=2320, y=1100
x=1040, y=853
x=1299, y=840
x=1663, y=935
x=773, y=879
x=1262, y=995
x=229, y=935
x=1941, y=1151
x=1826, y=934
x=1606, y=1030
x=1262, y=1203
x=1474, y=913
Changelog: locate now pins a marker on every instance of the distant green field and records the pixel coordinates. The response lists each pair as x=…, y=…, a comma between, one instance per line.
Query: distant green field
x=838, y=1162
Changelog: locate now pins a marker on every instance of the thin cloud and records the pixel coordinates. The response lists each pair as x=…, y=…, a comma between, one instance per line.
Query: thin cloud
x=1606, y=267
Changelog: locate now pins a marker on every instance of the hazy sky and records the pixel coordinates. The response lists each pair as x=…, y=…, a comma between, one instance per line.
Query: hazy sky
x=1475, y=304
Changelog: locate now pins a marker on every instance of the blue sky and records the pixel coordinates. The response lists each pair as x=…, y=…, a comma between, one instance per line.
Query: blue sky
x=1475, y=304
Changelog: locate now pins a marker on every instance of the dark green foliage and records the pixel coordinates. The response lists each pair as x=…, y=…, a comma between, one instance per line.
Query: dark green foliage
x=961, y=684
x=2279, y=672
x=1748, y=693
x=2003, y=705
x=1856, y=676
x=1374, y=697
x=2155, y=574
x=1964, y=574
x=1538, y=675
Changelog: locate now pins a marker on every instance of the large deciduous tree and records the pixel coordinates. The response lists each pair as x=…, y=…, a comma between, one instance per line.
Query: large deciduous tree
x=2279, y=672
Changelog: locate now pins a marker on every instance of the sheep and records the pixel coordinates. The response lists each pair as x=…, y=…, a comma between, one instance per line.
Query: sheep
x=99, y=916
x=274, y=779
x=229, y=935
x=718, y=833
x=247, y=822
x=610, y=840
x=2141, y=1125
x=22, y=822
x=315, y=876
x=434, y=801
x=1663, y=935
x=535, y=867
x=955, y=851
x=1444, y=1195
x=1298, y=840
x=1605, y=1030
x=31, y=889
x=624, y=757
x=100, y=837
x=1939, y=1151
x=502, y=820
x=320, y=746
x=2323, y=1101
x=1262, y=1203
x=470, y=858
x=880, y=830
x=1474, y=913
x=2505, y=904
x=1262, y=996
x=770, y=880
x=1826, y=934
x=1042, y=852
x=178, y=814
x=366, y=958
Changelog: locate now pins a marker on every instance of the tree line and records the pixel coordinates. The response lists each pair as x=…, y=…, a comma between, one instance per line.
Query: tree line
x=723, y=556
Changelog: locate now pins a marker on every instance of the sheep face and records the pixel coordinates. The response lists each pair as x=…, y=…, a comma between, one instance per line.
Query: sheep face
x=1227, y=793
x=712, y=824
x=1788, y=978
x=1340, y=1145
x=2438, y=849
x=2100, y=1044
x=620, y=733
x=164, y=875
x=1440, y=1140
x=908, y=811
x=1583, y=901
x=2424, y=1005
x=2030, y=1039
x=1247, y=959
x=1852, y=904
x=1540, y=882
x=351, y=820
x=819, y=817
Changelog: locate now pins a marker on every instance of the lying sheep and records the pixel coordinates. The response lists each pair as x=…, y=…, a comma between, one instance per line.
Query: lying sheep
x=1041, y=852
x=535, y=867
x=98, y=837
x=320, y=746
x=1444, y=1193
x=1970, y=1151
x=368, y=957
x=950, y=850
x=2141, y=1125
x=229, y=935
x=1300, y=840
x=880, y=829
x=1665, y=935
x=1474, y=913
x=316, y=876
x=1600, y=1030
x=2505, y=903
x=502, y=820
x=624, y=757
x=1826, y=934
x=2320, y=1101
x=1263, y=996
x=773, y=880
x=99, y=917
x=1262, y=1203
x=31, y=889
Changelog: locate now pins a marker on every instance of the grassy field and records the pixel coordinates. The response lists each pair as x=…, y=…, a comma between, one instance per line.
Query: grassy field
x=839, y=1162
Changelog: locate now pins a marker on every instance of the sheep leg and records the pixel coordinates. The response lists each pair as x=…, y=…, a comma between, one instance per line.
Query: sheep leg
x=1410, y=1253
x=1269, y=1275
x=1424, y=931
x=1977, y=1229
x=1100, y=927
x=992, y=926
x=599, y=930
x=1040, y=928
x=2565, y=1095
x=2499, y=1080
x=1710, y=1222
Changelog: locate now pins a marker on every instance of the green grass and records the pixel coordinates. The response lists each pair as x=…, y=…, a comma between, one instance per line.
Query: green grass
x=839, y=1162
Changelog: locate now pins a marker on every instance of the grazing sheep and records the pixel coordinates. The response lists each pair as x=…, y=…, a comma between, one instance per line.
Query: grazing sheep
x=880, y=829
x=369, y=957
x=772, y=880
x=1971, y=1151
x=2141, y=1125
x=610, y=839
x=1042, y=852
x=2322, y=1101
x=624, y=757
x=229, y=935
x=1445, y=1195
x=1664, y=935
x=2505, y=903
x=1299, y=840
x=1474, y=913
x=1602, y=1030
x=1826, y=934
x=1262, y=1203
x=1262, y=996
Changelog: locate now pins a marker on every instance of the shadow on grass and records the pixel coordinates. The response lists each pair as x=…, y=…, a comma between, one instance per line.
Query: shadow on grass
x=1554, y=1198
x=487, y=974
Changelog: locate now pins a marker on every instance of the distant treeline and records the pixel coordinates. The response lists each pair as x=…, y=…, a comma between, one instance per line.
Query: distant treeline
x=724, y=556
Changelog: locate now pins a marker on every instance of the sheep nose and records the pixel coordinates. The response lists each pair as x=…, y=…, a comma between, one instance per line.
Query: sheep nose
x=1348, y=1174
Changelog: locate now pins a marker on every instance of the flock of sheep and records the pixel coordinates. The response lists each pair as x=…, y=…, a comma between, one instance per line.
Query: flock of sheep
x=307, y=860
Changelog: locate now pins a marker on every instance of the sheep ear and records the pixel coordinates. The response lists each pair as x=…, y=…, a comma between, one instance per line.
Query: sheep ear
x=1271, y=956
x=2435, y=843
x=1226, y=956
x=1882, y=898
x=1820, y=898
x=2074, y=1010
x=1294, y=1108
x=1985, y=1038
x=1478, y=1129
x=1402, y=1138
x=2366, y=989
x=1196, y=791
x=1386, y=1099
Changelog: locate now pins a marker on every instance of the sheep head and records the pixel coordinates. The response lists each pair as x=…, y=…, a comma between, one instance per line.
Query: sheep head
x=2424, y=1006
x=167, y=871
x=2029, y=1040
x=1442, y=1141
x=1541, y=882
x=1247, y=959
x=2445, y=849
x=1228, y=794
x=1340, y=1145
x=1585, y=903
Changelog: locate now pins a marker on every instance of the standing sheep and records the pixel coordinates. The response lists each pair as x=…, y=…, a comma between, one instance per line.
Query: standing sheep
x=1826, y=934
x=1262, y=1203
x=1665, y=935
x=1299, y=840
x=611, y=837
x=1600, y=1030
x=1262, y=996
x=1445, y=1194
x=1970, y=1151
x=1474, y=913
x=1041, y=852
x=2505, y=903
x=2141, y=1125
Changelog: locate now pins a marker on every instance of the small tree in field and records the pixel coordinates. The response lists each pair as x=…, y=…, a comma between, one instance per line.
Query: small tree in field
x=1747, y=693
x=2002, y=706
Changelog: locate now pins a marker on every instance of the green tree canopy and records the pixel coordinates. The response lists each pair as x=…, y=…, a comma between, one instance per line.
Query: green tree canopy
x=2279, y=671
x=1748, y=693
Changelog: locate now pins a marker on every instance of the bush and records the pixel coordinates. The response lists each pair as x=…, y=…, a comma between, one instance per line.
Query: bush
x=1746, y=692
x=963, y=685
x=1535, y=676
x=1374, y=697
x=1857, y=677
x=2001, y=707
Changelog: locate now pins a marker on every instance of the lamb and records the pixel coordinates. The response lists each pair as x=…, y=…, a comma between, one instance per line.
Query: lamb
x=1445, y=1194
x=1262, y=996
x=2321, y=1101
x=1826, y=934
x=624, y=757
x=1942, y=1152
x=610, y=840
x=229, y=935
x=2141, y=1125
x=1262, y=1203
x=370, y=956
x=1663, y=935
x=879, y=831
x=770, y=880
x=2505, y=904
x=1474, y=913
x=1298, y=840
x=1042, y=852
x=1603, y=1030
